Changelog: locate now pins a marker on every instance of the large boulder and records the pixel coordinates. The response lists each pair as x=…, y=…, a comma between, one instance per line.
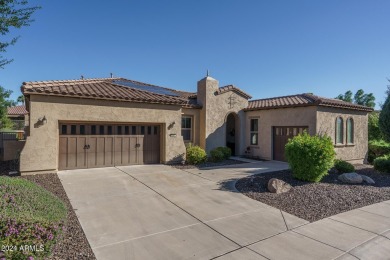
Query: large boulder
x=367, y=179
x=278, y=186
x=351, y=178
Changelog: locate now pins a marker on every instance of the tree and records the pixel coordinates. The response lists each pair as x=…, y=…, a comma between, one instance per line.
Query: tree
x=374, y=133
x=346, y=97
x=384, y=119
x=5, y=102
x=20, y=99
x=359, y=98
x=13, y=14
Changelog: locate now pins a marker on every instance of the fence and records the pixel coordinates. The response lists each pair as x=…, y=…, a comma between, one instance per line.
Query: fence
x=9, y=141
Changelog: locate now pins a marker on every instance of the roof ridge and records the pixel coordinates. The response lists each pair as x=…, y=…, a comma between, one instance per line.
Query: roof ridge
x=287, y=96
x=68, y=80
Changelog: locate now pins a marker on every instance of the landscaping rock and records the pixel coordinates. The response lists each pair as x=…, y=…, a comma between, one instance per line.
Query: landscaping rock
x=367, y=179
x=351, y=177
x=278, y=186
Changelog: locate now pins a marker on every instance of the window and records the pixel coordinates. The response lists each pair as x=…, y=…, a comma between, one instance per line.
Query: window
x=82, y=129
x=109, y=130
x=339, y=131
x=64, y=129
x=119, y=130
x=350, y=131
x=254, y=132
x=186, y=128
x=127, y=130
x=133, y=130
x=93, y=129
x=73, y=129
x=101, y=129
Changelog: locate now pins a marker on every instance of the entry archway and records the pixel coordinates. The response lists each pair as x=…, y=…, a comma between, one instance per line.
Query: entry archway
x=232, y=128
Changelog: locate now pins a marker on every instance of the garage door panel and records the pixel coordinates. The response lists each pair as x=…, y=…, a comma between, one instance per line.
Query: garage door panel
x=133, y=145
x=281, y=135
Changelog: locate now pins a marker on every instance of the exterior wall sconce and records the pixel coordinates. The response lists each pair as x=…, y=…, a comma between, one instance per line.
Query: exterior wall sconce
x=171, y=125
x=42, y=120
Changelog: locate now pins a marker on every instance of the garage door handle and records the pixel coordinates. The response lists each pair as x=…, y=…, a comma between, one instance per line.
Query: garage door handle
x=138, y=145
x=87, y=146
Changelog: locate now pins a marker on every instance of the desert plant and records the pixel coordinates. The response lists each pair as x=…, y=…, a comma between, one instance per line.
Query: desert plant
x=382, y=164
x=216, y=155
x=310, y=157
x=195, y=155
x=343, y=166
x=30, y=215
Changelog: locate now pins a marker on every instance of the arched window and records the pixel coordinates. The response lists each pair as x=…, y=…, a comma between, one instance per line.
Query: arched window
x=339, y=131
x=350, y=131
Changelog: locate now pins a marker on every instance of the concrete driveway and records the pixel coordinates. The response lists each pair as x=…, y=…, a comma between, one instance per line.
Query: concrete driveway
x=158, y=212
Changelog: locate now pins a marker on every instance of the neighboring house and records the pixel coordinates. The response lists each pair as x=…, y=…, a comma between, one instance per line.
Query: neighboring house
x=114, y=121
x=18, y=115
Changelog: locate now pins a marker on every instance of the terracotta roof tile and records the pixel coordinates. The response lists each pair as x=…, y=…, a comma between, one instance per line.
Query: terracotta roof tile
x=301, y=100
x=108, y=88
x=17, y=111
x=233, y=88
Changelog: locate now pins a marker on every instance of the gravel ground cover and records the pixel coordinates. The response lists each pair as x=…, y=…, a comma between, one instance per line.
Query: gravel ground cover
x=314, y=201
x=73, y=243
x=207, y=164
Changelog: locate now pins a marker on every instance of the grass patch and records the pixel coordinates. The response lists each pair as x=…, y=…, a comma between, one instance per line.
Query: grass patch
x=29, y=216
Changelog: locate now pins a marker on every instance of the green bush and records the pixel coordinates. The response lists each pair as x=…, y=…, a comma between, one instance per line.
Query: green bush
x=227, y=152
x=29, y=215
x=379, y=147
x=195, y=155
x=382, y=164
x=384, y=119
x=374, y=132
x=217, y=155
x=310, y=157
x=343, y=166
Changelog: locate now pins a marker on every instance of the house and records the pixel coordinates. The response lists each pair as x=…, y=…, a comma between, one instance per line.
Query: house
x=115, y=121
x=18, y=115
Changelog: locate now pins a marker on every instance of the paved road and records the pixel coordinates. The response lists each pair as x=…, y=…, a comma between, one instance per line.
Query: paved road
x=158, y=212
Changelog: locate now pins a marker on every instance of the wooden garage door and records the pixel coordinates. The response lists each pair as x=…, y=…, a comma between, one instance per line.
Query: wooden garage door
x=91, y=146
x=281, y=134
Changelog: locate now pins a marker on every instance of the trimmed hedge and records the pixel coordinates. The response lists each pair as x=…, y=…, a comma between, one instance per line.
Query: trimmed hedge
x=377, y=148
x=220, y=153
x=310, y=157
x=195, y=155
x=382, y=164
x=343, y=166
x=29, y=215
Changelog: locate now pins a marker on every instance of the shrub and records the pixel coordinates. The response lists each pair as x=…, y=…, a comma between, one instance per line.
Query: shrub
x=343, y=166
x=195, y=155
x=379, y=147
x=217, y=155
x=227, y=152
x=310, y=157
x=384, y=119
x=30, y=215
x=382, y=164
x=374, y=132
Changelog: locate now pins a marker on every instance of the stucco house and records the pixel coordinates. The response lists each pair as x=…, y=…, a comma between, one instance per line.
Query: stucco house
x=115, y=121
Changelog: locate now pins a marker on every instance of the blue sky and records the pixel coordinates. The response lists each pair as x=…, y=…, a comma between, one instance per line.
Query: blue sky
x=267, y=48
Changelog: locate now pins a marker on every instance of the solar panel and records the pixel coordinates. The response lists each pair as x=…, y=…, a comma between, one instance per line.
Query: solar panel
x=153, y=89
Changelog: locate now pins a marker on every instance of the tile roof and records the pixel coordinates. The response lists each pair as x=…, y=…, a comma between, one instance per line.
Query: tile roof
x=108, y=89
x=233, y=88
x=17, y=111
x=300, y=100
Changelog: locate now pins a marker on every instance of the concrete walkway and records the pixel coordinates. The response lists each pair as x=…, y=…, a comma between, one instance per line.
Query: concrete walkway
x=158, y=212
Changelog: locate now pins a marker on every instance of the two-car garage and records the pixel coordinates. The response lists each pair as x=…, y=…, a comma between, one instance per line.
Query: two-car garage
x=90, y=145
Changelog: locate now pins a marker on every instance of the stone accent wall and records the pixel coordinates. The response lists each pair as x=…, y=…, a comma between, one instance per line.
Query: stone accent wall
x=41, y=149
x=214, y=114
x=326, y=123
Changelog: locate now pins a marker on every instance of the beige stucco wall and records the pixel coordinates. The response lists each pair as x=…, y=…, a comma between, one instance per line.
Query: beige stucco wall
x=41, y=150
x=326, y=123
x=214, y=113
x=299, y=116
